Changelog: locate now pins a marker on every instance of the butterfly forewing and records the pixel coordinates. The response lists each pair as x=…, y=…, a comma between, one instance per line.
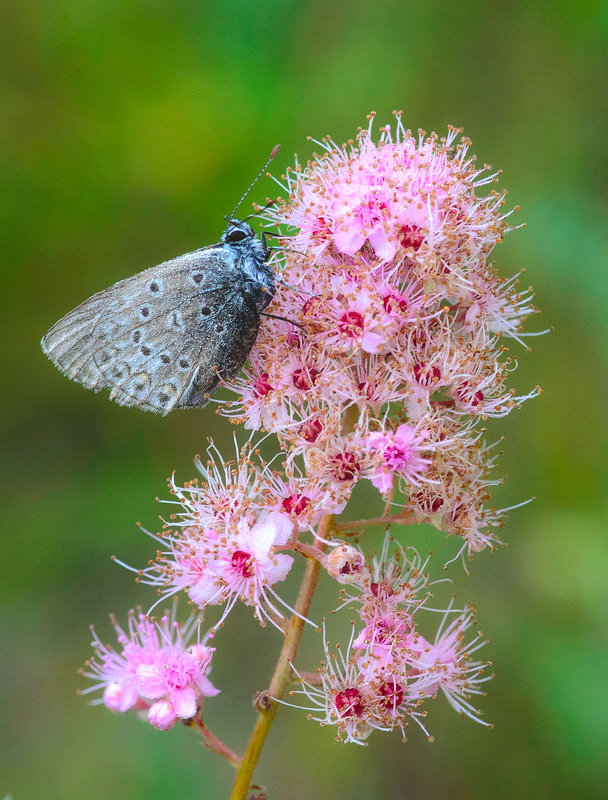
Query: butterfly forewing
x=163, y=338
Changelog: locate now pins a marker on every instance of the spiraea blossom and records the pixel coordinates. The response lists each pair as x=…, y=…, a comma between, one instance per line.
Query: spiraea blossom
x=392, y=343
x=383, y=679
x=389, y=669
x=157, y=671
x=386, y=349
x=224, y=543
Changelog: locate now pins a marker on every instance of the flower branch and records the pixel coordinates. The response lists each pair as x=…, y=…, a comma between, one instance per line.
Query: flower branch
x=213, y=743
x=353, y=527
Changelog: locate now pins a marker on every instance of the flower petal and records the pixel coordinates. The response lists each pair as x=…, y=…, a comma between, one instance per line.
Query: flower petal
x=184, y=702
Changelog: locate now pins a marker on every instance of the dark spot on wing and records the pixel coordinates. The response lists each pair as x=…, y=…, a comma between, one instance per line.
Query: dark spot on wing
x=205, y=311
x=145, y=350
x=166, y=393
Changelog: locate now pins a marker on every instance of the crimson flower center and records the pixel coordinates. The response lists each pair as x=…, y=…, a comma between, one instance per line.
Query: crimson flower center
x=295, y=504
x=381, y=588
x=391, y=694
x=305, y=377
x=349, y=703
x=430, y=504
x=310, y=306
x=350, y=567
x=393, y=304
x=426, y=375
x=384, y=632
x=262, y=386
x=368, y=389
x=310, y=430
x=465, y=395
x=241, y=562
x=351, y=324
x=411, y=236
x=320, y=227
x=346, y=466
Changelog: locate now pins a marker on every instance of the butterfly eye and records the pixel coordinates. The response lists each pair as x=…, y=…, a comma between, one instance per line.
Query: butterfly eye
x=235, y=235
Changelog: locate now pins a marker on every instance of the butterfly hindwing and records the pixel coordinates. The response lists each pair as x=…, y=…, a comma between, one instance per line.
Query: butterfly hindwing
x=162, y=338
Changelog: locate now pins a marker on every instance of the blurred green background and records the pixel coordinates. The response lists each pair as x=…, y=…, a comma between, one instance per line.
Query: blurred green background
x=127, y=131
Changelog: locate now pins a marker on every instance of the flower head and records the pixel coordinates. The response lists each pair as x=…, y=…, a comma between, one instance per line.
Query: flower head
x=221, y=567
x=402, y=454
x=394, y=356
x=156, y=670
x=358, y=697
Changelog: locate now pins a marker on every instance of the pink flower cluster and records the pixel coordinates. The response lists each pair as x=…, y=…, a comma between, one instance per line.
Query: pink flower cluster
x=389, y=668
x=384, y=353
x=391, y=347
x=224, y=544
x=156, y=672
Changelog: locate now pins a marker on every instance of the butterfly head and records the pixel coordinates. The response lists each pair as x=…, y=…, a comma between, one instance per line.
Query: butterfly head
x=238, y=232
x=241, y=236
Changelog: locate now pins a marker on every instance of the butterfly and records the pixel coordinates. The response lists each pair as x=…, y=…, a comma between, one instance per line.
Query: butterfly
x=165, y=337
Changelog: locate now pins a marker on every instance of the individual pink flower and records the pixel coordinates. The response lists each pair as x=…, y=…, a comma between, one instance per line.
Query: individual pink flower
x=156, y=670
x=395, y=586
x=362, y=213
x=248, y=567
x=262, y=400
x=225, y=491
x=499, y=305
x=340, y=464
x=303, y=499
x=402, y=454
x=352, y=321
x=241, y=564
x=387, y=636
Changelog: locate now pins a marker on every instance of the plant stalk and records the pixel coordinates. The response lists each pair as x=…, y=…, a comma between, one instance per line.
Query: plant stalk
x=282, y=674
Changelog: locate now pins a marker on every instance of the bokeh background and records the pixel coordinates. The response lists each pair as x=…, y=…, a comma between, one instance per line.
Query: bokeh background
x=128, y=129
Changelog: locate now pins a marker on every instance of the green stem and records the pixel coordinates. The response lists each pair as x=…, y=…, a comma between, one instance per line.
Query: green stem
x=281, y=678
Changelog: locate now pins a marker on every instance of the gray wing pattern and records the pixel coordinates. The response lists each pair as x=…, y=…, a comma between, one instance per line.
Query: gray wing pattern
x=159, y=339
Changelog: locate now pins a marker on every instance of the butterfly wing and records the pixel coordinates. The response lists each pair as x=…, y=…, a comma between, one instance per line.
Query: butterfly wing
x=161, y=339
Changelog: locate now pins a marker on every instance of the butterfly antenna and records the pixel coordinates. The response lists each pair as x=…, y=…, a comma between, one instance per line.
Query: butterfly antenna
x=273, y=153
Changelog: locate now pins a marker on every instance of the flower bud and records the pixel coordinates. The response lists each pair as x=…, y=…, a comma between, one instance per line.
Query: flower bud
x=162, y=715
x=346, y=564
